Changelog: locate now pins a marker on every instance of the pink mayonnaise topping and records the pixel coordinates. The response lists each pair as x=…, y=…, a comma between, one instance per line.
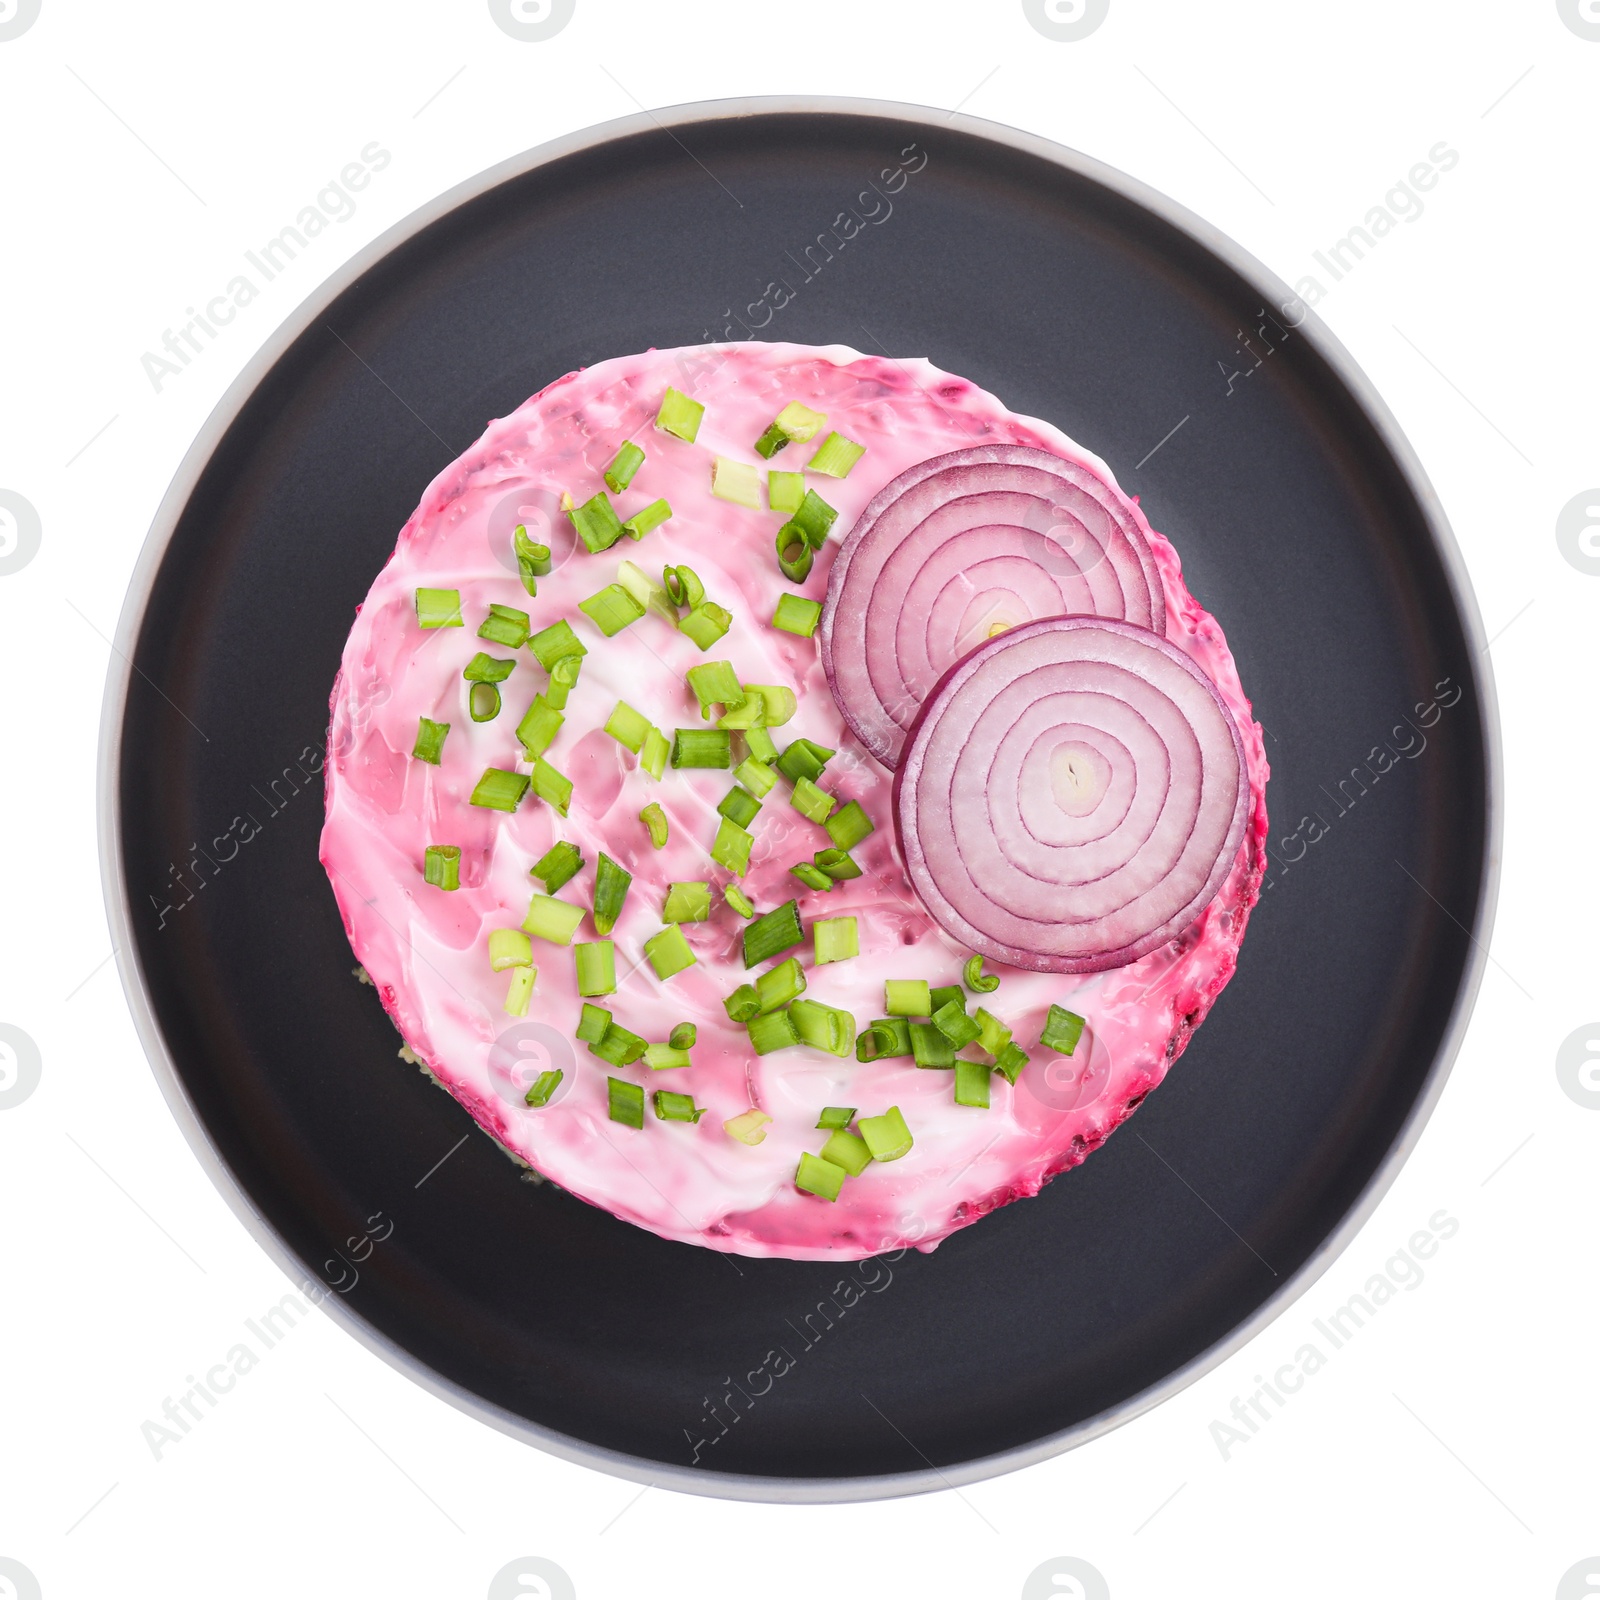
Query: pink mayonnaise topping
x=426, y=948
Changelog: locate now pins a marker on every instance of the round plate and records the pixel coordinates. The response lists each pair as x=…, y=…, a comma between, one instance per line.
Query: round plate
x=1304, y=523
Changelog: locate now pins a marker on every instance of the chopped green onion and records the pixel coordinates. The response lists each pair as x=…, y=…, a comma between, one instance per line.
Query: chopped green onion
x=618, y=1047
x=744, y=1004
x=552, y=919
x=430, y=741
x=556, y=642
x=1062, y=1030
x=487, y=669
x=610, y=890
x=439, y=608
x=624, y=464
x=441, y=866
x=812, y=802
x=539, y=726
x=848, y=1151
x=665, y=1057
x=739, y=805
x=519, y=991
x=483, y=702
x=836, y=1117
x=954, y=1023
x=625, y=1102
x=943, y=994
x=736, y=481
x=795, y=554
x=818, y=1177
x=929, y=1047
x=706, y=623
x=509, y=947
x=849, y=825
x=887, y=1137
x=972, y=1084
x=993, y=1034
x=759, y=743
x=563, y=679
x=804, y=759
x=505, y=625
x=612, y=609
x=1011, y=1061
x=561, y=862
x=835, y=456
x=785, y=490
x=715, y=683
x=597, y=967
x=553, y=787
x=731, y=847
x=683, y=585
x=979, y=981
x=683, y=1036
x=835, y=939
x=647, y=520
x=907, y=997
x=646, y=590
x=886, y=1037
x=687, y=902
x=799, y=422
x=774, y=1031
x=701, y=747
x=653, y=757
x=655, y=819
x=771, y=442
x=500, y=791
x=814, y=518
x=543, y=1087
x=738, y=900
x=592, y=1024
x=812, y=877
x=596, y=522
x=679, y=415
x=775, y=989
x=749, y=1127
x=755, y=775
x=628, y=727
x=771, y=933
x=533, y=559
x=749, y=712
x=778, y=702
x=824, y=1027
x=669, y=951
x=795, y=614
x=673, y=1107
x=838, y=864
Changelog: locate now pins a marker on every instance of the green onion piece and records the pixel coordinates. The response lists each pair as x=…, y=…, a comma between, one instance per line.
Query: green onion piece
x=929, y=1047
x=755, y=775
x=592, y=1024
x=744, y=1004
x=539, y=726
x=838, y=864
x=993, y=1034
x=943, y=994
x=795, y=554
x=543, y=1087
x=774, y=1031
x=487, y=669
x=625, y=1102
x=814, y=518
x=795, y=614
x=618, y=1047
x=972, y=1083
x=785, y=490
x=552, y=644
x=430, y=741
x=563, y=679
x=655, y=819
x=701, y=747
x=907, y=997
x=687, y=902
x=683, y=585
x=552, y=919
x=737, y=481
x=749, y=1127
x=886, y=1037
x=683, y=1036
x=483, y=702
x=500, y=791
x=775, y=989
x=624, y=464
x=679, y=415
x=665, y=1057
x=441, y=866
x=835, y=939
x=597, y=967
x=739, y=805
x=888, y=1137
x=835, y=456
x=771, y=442
x=716, y=683
x=1062, y=1030
x=610, y=890
x=612, y=609
x=731, y=847
x=738, y=900
x=439, y=608
x=818, y=1177
x=771, y=933
x=799, y=422
x=520, y=991
x=561, y=862
x=706, y=623
x=628, y=727
x=751, y=712
x=596, y=522
x=778, y=703
x=653, y=757
x=804, y=759
x=673, y=1107
x=979, y=981
x=553, y=787
x=849, y=825
x=505, y=625
x=646, y=590
x=533, y=559
x=759, y=743
x=647, y=520
x=669, y=952
x=824, y=1027
x=812, y=877
x=954, y=1023
x=1010, y=1061
x=848, y=1151
x=509, y=947
x=836, y=1117
x=812, y=802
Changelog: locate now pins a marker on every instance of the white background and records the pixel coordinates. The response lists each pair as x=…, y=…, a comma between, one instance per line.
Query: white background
x=1445, y=1450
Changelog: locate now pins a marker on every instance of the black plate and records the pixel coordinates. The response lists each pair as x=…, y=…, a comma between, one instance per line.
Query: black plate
x=1304, y=524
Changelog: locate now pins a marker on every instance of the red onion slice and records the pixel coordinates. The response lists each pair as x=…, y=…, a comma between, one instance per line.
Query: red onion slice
x=1072, y=794
x=958, y=548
